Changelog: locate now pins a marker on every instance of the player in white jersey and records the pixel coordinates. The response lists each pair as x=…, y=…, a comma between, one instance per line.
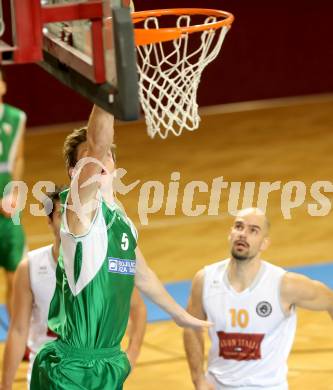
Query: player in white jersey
x=252, y=305
x=33, y=290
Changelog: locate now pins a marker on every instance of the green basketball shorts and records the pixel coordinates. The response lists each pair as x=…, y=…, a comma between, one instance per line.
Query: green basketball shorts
x=12, y=244
x=59, y=366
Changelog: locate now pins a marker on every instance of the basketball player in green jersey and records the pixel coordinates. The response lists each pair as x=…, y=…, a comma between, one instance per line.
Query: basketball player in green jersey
x=33, y=289
x=98, y=266
x=12, y=242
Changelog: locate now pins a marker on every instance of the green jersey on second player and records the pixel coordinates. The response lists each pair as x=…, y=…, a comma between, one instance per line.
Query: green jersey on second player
x=12, y=124
x=12, y=121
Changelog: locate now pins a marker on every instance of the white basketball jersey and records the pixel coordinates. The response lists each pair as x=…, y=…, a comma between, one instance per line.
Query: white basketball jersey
x=42, y=281
x=252, y=336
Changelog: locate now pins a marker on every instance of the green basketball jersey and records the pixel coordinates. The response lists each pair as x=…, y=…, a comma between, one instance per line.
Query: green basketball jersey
x=95, y=278
x=12, y=121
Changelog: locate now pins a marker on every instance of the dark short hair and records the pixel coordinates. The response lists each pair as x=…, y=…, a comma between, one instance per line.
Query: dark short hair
x=51, y=199
x=72, y=142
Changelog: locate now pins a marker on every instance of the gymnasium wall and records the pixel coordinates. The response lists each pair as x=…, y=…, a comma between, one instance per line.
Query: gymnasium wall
x=275, y=49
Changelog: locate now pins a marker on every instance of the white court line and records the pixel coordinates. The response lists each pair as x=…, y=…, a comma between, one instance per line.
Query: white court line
x=257, y=105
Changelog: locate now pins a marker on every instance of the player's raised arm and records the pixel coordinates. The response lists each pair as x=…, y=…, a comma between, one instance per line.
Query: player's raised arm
x=193, y=339
x=147, y=282
x=136, y=327
x=94, y=158
x=306, y=293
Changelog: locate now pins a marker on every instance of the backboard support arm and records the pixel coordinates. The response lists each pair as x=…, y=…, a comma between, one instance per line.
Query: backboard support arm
x=73, y=68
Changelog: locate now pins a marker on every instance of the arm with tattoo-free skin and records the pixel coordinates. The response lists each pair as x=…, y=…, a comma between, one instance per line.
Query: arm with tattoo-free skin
x=147, y=282
x=194, y=338
x=136, y=327
x=100, y=133
x=305, y=293
x=19, y=325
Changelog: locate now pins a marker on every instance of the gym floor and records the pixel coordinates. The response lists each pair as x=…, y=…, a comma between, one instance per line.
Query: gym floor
x=288, y=140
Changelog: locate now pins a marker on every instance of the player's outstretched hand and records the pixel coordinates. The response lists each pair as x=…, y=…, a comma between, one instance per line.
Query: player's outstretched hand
x=185, y=320
x=8, y=206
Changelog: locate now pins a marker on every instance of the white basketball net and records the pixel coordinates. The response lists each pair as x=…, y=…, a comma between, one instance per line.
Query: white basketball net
x=169, y=76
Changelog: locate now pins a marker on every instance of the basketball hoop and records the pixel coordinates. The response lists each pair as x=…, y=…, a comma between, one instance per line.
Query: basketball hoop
x=170, y=64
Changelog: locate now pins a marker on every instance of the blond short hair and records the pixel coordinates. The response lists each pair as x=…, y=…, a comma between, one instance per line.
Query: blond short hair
x=73, y=141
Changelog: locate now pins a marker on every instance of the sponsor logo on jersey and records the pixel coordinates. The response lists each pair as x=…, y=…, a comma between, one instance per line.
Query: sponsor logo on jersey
x=240, y=346
x=121, y=266
x=264, y=309
x=42, y=270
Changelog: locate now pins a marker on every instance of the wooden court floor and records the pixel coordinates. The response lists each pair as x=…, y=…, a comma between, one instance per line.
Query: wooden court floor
x=293, y=142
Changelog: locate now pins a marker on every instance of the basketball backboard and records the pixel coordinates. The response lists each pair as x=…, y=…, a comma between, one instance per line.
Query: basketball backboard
x=89, y=45
x=79, y=45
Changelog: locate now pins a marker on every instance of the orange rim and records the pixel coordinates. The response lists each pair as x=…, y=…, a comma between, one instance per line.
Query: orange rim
x=147, y=36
